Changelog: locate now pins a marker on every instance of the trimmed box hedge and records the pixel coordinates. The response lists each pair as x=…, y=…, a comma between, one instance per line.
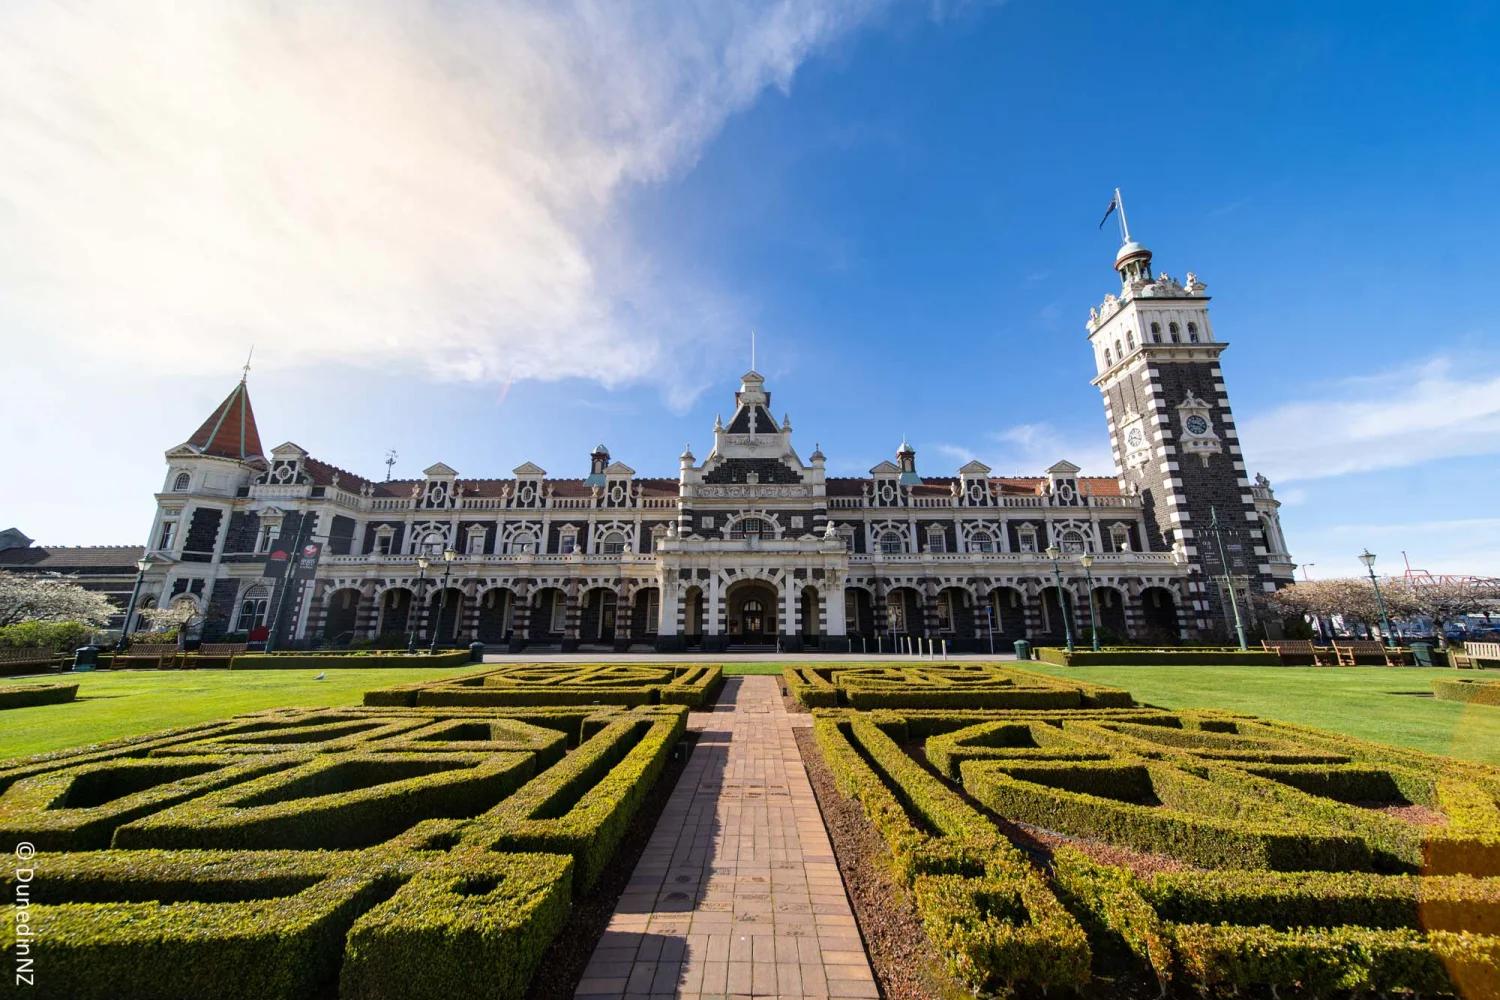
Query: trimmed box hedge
x=1289, y=822
x=31, y=695
x=259, y=856
x=1135, y=657
x=523, y=684
x=930, y=685
x=342, y=660
x=1471, y=691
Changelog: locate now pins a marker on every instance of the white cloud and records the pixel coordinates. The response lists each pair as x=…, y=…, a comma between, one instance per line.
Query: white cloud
x=414, y=185
x=1457, y=545
x=1027, y=450
x=1397, y=418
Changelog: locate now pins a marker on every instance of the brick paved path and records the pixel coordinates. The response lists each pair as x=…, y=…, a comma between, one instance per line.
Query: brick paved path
x=737, y=893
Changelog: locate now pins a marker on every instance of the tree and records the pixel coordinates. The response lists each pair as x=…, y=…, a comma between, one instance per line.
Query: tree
x=1445, y=602
x=1352, y=599
x=50, y=598
x=181, y=615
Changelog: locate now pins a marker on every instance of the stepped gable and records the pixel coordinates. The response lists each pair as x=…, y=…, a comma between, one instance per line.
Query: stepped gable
x=230, y=431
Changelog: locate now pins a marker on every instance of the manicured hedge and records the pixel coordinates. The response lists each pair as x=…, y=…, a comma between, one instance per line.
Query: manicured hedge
x=31, y=695
x=1129, y=657
x=478, y=931
x=627, y=685
x=341, y=661
x=810, y=687
x=944, y=686
x=1463, y=689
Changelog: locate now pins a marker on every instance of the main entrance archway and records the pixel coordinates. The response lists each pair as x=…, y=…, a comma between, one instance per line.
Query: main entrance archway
x=751, y=609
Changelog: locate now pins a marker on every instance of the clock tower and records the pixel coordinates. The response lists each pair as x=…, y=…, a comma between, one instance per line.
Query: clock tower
x=1173, y=435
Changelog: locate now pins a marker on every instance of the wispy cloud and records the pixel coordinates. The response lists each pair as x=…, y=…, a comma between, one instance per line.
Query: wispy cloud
x=1401, y=417
x=1456, y=545
x=1027, y=450
x=429, y=186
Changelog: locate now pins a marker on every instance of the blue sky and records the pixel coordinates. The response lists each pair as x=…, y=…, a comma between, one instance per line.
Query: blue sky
x=491, y=233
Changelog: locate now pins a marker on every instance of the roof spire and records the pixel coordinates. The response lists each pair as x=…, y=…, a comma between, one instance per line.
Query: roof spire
x=246, y=370
x=230, y=431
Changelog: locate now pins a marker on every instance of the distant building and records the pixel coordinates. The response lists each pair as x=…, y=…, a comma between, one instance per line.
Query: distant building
x=109, y=569
x=752, y=545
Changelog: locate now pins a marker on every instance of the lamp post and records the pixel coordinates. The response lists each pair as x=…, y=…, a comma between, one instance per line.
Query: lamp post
x=1053, y=553
x=448, y=556
x=411, y=639
x=1368, y=558
x=1234, y=602
x=143, y=566
x=1086, y=561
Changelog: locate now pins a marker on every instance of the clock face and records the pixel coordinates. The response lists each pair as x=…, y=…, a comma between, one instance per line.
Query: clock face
x=1197, y=425
x=1135, y=438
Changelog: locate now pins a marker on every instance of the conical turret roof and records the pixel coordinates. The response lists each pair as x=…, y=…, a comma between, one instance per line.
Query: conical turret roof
x=230, y=430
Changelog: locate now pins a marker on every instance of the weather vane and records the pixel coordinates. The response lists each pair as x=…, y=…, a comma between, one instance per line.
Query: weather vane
x=246, y=369
x=390, y=460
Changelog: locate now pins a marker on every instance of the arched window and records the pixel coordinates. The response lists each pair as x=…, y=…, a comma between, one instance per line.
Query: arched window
x=945, y=612
x=1192, y=333
x=1156, y=333
x=524, y=543
x=1119, y=350
x=895, y=611
x=748, y=527
x=891, y=543
x=253, y=608
x=1130, y=339
x=1108, y=358
x=181, y=482
x=1172, y=333
x=1072, y=541
x=614, y=543
x=981, y=541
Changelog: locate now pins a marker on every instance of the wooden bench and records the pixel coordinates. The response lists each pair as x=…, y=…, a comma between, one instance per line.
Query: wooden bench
x=20, y=660
x=222, y=650
x=1349, y=653
x=1319, y=656
x=158, y=654
x=1476, y=651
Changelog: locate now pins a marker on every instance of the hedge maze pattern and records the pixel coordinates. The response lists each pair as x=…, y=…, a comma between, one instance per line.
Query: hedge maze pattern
x=396, y=852
x=932, y=685
x=563, y=684
x=1311, y=866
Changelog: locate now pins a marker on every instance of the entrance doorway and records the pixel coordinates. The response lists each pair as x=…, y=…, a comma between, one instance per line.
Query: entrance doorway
x=754, y=614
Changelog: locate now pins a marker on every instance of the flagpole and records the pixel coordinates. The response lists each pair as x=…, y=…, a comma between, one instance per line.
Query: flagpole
x=1124, y=225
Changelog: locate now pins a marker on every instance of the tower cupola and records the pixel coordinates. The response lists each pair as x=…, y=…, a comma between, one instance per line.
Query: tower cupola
x=1133, y=263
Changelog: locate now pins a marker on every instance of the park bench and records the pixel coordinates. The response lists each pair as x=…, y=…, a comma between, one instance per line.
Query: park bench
x=1285, y=648
x=226, y=651
x=157, y=654
x=1476, y=651
x=26, y=659
x=1350, y=652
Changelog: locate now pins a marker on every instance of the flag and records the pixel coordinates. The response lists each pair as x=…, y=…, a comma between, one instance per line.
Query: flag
x=1114, y=203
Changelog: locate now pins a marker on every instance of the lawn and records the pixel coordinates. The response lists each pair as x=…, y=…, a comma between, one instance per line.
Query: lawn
x=111, y=704
x=1393, y=705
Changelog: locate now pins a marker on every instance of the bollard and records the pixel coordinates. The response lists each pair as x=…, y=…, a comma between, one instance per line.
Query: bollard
x=476, y=652
x=945, y=649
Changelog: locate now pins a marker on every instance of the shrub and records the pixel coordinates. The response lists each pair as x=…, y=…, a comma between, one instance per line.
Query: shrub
x=1130, y=657
x=562, y=684
x=1465, y=690
x=30, y=695
x=59, y=637
x=478, y=930
x=345, y=659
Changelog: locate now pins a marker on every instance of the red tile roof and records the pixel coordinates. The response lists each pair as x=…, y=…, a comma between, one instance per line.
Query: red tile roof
x=230, y=431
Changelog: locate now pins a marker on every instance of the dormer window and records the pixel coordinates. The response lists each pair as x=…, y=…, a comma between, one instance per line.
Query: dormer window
x=181, y=483
x=1156, y=333
x=1172, y=333
x=1192, y=333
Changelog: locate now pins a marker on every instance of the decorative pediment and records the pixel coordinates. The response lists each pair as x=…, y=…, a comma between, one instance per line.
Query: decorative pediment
x=619, y=469
x=886, y=468
x=439, y=471
x=1063, y=468
x=974, y=468
x=528, y=470
x=289, y=450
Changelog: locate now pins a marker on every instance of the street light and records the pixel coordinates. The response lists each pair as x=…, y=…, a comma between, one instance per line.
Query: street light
x=411, y=639
x=143, y=566
x=1368, y=558
x=1086, y=561
x=1053, y=553
x=1234, y=602
x=448, y=556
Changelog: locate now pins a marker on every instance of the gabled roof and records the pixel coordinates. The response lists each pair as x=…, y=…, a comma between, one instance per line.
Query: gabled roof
x=619, y=469
x=440, y=469
x=230, y=431
x=885, y=469
x=1063, y=468
x=975, y=468
x=529, y=469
